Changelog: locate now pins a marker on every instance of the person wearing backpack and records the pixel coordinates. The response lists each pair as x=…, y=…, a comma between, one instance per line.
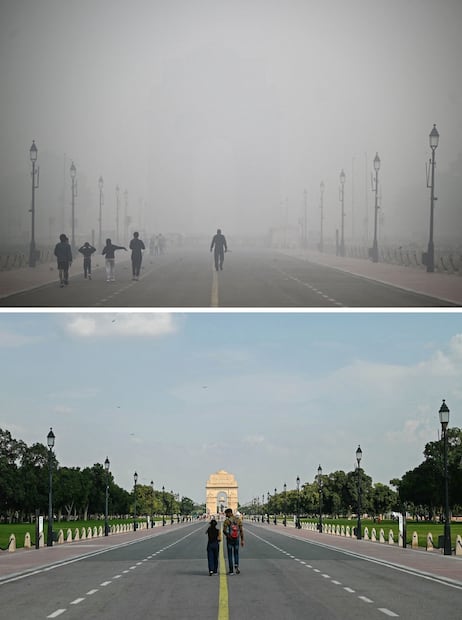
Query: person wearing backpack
x=213, y=546
x=232, y=529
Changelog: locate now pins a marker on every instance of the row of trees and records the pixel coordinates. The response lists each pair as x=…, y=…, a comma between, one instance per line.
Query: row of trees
x=77, y=493
x=420, y=491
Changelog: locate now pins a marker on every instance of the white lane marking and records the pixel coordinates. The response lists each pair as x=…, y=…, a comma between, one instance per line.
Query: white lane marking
x=325, y=576
x=316, y=570
x=90, y=592
x=365, y=599
x=56, y=613
x=117, y=576
x=337, y=583
x=105, y=583
x=349, y=590
x=76, y=601
x=388, y=612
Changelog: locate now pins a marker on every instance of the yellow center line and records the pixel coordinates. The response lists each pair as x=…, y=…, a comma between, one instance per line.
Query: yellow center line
x=214, y=299
x=223, y=607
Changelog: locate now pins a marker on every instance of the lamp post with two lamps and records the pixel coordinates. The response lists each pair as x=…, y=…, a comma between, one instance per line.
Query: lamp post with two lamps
x=444, y=420
x=359, y=454
x=152, y=503
x=106, y=505
x=50, y=444
x=430, y=258
x=375, y=187
x=163, y=505
x=33, y=151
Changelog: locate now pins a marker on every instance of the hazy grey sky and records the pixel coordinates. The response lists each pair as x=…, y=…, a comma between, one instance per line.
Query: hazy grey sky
x=266, y=396
x=214, y=112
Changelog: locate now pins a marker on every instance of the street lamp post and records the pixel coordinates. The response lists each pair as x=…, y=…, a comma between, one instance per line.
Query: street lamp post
x=285, y=505
x=100, y=218
x=320, y=497
x=321, y=206
x=275, y=521
x=106, y=508
x=305, y=219
x=152, y=504
x=135, y=525
x=430, y=258
x=297, y=522
x=117, y=210
x=163, y=505
x=73, y=172
x=125, y=213
x=33, y=151
x=171, y=507
x=444, y=420
x=342, y=219
x=50, y=444
x=359, y=454
x=375, y=187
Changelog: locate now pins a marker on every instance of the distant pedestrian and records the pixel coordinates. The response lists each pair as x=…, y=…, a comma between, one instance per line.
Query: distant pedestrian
x=136, y=246
x=234, y=532
x=109, y=252
x=213, y=546
x=220, y=246
x=63, y=255
x=87, y=250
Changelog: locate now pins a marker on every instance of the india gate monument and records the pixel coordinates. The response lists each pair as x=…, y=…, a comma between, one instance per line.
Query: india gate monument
x=221, y=493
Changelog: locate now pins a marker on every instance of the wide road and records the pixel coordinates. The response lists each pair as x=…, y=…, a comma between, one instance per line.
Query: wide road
x=185, y=278
x=163, y=574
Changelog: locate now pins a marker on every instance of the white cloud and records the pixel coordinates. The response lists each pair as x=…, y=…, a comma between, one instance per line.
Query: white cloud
x=133, y=324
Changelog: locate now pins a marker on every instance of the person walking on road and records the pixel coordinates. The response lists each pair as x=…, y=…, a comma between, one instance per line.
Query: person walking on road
x=213, y=546
x=109, y=251
x=136, y=246
x=234, y=532
x=87, y=250
x=63, y=255
x=219, y=243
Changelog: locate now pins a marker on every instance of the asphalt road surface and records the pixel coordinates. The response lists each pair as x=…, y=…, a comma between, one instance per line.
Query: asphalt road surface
x=186, y=278
x=164, y=575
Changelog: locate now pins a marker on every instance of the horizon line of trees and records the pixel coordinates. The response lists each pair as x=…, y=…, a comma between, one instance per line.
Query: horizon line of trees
x=77, y=493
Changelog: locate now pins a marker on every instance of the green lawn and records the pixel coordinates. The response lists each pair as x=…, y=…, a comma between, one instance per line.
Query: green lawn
x=20, y=529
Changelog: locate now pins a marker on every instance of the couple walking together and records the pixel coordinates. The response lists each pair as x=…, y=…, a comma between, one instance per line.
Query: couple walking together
x=234, y=533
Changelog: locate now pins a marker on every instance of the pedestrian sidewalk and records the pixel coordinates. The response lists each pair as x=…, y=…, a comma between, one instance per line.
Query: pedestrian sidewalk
x=433, y=563
x=446, y=287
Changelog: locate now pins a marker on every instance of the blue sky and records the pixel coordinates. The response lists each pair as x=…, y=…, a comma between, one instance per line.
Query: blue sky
x=266, y=396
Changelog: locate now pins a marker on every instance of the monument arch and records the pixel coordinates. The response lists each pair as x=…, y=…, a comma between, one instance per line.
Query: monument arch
x=221, y=493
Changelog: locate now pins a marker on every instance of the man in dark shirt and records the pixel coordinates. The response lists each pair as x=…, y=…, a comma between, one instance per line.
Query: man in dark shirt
x=219, y=243
x=87, y=250
x=109, y=252
x=63, y=255
x=136, y=246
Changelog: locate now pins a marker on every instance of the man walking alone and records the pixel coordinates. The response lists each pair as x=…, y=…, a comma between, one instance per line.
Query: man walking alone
x=219, y=243
x=136, y=246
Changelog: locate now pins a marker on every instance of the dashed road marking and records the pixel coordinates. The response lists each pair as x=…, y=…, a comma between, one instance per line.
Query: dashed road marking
x=388, y=612
x=76, y=601
x=56, y=613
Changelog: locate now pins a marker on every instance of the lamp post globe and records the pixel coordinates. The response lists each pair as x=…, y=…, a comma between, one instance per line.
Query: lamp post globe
x=135, y=479
x=33, y=152
x=106, y=505
x=342, y=221
x=359, y=454
x=430, y=258
x=50, y=444
x=285, y=505
x=320, y=497
x=444, y=421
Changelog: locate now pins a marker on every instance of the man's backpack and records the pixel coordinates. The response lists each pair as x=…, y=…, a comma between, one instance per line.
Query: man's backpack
x=234, y=531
